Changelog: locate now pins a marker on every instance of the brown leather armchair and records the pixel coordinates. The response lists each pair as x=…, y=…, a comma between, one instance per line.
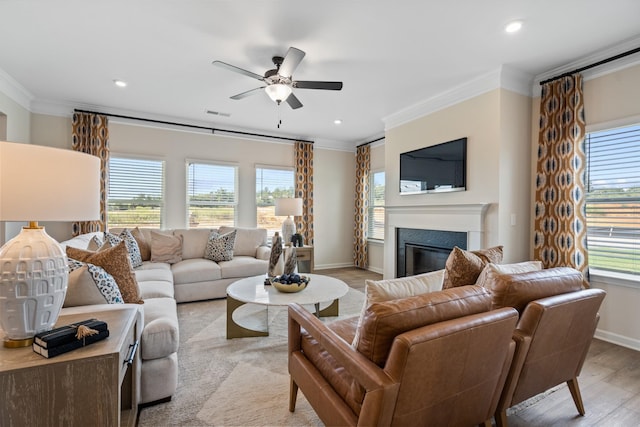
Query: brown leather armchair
x=556, y=327
x=433, y=359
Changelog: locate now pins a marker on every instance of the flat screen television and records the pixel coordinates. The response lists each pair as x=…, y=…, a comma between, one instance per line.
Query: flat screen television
x=435, y=169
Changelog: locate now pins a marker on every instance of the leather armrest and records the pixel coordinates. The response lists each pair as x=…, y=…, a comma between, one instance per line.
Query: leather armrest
x=364, y=371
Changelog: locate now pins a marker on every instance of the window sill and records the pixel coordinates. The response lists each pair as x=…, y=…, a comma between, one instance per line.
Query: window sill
x=376, y=242
x=614, y=278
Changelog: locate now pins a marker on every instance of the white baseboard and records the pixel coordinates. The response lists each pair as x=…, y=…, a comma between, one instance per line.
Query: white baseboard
x=329, y=266
x=618, y=339
x=376, y=270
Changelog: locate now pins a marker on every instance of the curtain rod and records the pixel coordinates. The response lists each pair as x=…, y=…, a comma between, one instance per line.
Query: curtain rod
x=595, y=64
x=213, y=130
x=370, y=142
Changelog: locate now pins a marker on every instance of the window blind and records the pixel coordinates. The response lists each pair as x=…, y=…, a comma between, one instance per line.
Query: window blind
x=376, y=206
x=136, y=193
x=613, y=199
x=212, y=194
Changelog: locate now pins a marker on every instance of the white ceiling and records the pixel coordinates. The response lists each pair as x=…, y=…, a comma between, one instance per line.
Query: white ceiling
x=391, y=55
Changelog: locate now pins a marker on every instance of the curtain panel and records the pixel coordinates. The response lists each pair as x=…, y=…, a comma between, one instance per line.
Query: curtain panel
x=304, y=189
x=363, y=170
x=560, y=235
x=90, y=133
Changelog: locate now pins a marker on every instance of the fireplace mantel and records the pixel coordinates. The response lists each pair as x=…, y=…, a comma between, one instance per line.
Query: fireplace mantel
x=468, y=218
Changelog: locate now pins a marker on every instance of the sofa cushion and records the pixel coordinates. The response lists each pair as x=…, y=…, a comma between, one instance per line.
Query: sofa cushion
x=194, y=242
x=166, y=248
x=243, y=266
x=195, y=270
x=158, y=274
x=464, y=267
x=492, y=270
x=156, y=289
x=247, y=239
x=220, y=247
x=403, y=287
x=160, y=335
x=383, y=321
x=115, y=261
x=517, y=290
x=149, y=265
x=90, y=284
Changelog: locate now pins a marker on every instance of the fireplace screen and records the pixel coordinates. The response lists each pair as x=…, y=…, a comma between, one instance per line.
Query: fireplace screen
x=420, y=251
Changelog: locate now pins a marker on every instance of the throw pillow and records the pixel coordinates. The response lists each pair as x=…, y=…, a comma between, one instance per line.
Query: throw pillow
x=166, y=248
x=491, y=271
x=90, y=284
x=464, y=267
x=220, y=247
x=143, y=244
x=116, y=262
x=95, y=244
x=403, y=287
x=132, y=245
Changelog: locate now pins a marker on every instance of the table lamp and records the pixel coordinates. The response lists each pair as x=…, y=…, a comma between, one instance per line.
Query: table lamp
x=39, y=183
x=289, y=207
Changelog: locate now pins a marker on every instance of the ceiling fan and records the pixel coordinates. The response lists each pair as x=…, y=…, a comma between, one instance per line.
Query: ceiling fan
x=279, y=81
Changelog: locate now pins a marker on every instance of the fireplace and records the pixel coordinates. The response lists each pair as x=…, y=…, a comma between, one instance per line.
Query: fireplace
x=420, y=251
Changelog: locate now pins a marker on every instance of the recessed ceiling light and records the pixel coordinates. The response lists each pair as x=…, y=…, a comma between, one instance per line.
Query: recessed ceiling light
x=120, y=83
x=337, y=122
x=513, y=27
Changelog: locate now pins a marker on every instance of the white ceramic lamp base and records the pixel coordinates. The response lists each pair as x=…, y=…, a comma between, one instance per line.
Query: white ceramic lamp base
x=288, y=230
x=33, y=284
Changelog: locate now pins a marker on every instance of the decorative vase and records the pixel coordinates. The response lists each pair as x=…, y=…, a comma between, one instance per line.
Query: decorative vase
x=276, y=262
x=291, y=261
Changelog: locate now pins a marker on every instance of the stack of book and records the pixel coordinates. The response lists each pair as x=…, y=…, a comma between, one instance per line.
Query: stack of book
x=66, y=338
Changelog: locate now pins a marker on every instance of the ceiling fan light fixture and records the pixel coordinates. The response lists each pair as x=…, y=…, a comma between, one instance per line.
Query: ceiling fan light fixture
x=278, y=92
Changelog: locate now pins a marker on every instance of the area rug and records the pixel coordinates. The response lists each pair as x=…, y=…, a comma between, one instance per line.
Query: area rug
x=236, y=382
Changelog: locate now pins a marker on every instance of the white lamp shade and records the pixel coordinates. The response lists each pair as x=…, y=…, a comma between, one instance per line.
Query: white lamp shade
x=288, y=206
x=39, y=183
x=278, y=92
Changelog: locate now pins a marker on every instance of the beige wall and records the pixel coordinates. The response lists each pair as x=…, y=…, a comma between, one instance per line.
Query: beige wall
x=610, y=101
x=496, y=125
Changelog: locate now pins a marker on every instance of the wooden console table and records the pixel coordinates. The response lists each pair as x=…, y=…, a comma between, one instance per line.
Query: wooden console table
x=94, y=385
x=304, y=256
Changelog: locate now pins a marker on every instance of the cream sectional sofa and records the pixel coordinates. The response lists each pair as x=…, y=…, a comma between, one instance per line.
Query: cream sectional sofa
x=163, y=285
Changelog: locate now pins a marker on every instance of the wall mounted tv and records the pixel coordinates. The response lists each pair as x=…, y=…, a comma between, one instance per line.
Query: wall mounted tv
x=435, y=169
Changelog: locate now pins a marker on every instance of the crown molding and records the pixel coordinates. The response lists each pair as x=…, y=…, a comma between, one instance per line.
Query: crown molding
x=601, y=70
x=15, y=91
x=503, y=77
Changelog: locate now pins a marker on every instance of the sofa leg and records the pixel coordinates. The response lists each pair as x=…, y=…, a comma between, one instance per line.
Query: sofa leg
x=501, y=418
x=293, y=394
x=487, y=423
x=574, y=388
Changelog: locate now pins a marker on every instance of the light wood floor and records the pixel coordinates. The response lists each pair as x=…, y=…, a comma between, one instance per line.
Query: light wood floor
x=609, y=382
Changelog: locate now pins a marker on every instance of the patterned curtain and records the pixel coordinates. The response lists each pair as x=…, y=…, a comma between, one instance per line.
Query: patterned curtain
x=90, y=134
x=304, y=189
x=363, y=168
x=560, y=217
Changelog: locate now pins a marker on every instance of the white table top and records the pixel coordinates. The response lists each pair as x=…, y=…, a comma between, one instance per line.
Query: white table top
x=320, y=289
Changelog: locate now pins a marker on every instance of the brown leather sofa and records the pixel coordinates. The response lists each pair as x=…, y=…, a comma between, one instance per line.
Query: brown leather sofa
x=557, y=323
x=433, y=359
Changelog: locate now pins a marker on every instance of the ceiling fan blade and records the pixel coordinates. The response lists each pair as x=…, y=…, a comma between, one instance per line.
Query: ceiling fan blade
x=237, y=70
x=291, y=61
x=294, y=102
x=247, y=93
x=302, y=84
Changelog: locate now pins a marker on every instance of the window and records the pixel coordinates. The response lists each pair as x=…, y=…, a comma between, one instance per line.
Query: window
x=271, y=183
x=212, y=194
x=376, y=206
x=136, y=193
x=613, y=200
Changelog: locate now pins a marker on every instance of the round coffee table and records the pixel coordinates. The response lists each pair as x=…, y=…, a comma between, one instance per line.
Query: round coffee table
x=252, y=290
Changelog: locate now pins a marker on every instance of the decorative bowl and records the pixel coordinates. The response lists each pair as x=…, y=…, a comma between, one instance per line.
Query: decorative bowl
x=290, y=284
